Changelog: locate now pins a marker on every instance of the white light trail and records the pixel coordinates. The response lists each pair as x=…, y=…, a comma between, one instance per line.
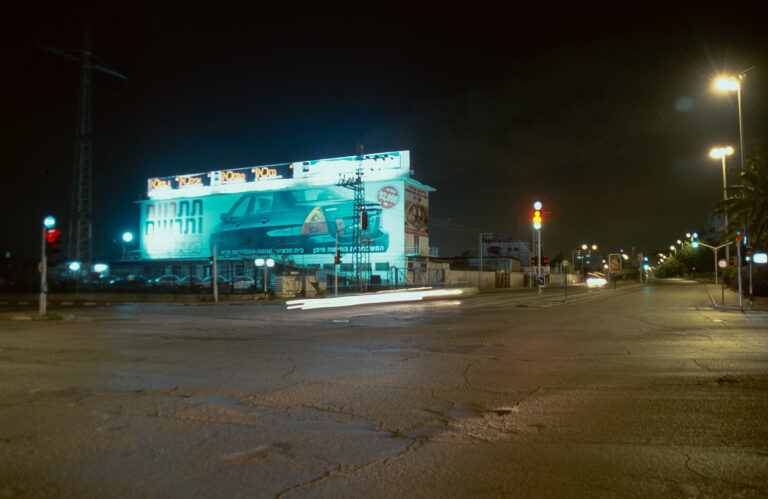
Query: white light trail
x=384, y=297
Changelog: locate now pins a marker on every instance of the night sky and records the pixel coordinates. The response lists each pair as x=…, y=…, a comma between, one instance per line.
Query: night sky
x=606, y=116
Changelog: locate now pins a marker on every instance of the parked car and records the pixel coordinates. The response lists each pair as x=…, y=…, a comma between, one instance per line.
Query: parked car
x=190, y=281
x=301, y=221
x=242, y=283
x=208, y=282
x=130, y=281
x=166, y=280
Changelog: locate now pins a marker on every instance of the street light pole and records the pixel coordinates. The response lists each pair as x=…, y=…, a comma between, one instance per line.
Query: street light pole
x=729, y=84
x=741, y=153
x=715, y=249
x=720, y=153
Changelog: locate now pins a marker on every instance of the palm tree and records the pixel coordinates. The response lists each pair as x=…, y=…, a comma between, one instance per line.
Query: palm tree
x=747, y=204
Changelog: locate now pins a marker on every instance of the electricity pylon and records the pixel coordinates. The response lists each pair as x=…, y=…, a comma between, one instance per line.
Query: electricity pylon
x=79, y=242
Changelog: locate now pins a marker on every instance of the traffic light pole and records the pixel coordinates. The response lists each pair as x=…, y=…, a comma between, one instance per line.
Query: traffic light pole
x=215, y=284
x=336, y=268
x=538, y=263
x=43, y=302
x=738, y=256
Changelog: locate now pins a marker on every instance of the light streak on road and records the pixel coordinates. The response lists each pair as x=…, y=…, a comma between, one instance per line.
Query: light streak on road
x=384, y=297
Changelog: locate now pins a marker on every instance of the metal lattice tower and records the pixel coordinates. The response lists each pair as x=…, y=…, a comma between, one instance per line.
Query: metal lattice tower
x=361, y=248
x=79, y=243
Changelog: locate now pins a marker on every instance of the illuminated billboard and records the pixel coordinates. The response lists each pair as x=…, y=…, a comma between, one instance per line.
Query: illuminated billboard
x=297, y=215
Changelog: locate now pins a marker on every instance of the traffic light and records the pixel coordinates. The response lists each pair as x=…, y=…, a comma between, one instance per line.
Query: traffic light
x=364, y=220
x=544, y=260
x=337, y=258
x=536, y=215
x=695, y=240
x=52, y=241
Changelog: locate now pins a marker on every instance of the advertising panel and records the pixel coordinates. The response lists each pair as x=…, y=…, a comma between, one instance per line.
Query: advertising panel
x=614, y=263
x=302, y=224
x=416, y=210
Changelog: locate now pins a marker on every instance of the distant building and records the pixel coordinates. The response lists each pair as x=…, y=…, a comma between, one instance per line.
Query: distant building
x=714, y=227
x=505, y=247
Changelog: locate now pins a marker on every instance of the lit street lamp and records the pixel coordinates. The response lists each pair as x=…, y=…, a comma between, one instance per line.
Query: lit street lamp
x=127, y=238
x=266, y=263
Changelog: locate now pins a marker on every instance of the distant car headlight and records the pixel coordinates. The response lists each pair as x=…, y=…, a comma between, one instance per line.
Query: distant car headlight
x=596, y=282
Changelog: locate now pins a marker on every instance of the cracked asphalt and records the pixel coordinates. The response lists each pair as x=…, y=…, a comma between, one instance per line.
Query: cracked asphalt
x=638, y=391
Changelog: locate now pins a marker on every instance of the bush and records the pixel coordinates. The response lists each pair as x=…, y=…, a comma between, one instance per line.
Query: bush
x=759, y=279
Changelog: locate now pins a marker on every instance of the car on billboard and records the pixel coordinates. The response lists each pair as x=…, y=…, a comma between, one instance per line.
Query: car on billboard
x=298, y=221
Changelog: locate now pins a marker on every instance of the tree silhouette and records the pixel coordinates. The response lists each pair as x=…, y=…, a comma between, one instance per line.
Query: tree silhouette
x=747, y=203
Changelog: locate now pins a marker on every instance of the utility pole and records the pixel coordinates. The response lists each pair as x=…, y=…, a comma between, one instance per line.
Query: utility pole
x=80, y=227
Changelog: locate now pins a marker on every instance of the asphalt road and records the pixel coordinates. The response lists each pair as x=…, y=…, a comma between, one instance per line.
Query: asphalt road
x=638, y=391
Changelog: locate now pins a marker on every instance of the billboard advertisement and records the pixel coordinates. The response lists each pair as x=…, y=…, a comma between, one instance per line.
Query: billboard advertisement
x=301, y=224
x=416, y=210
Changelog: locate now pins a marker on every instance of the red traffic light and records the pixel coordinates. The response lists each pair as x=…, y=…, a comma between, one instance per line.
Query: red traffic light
x=51, y=240
x=51, y=235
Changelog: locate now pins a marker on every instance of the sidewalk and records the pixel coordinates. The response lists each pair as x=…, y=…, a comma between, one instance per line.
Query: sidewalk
x=731, y=298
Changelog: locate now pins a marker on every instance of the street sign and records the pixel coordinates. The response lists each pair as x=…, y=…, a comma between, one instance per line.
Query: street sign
x=722, y=263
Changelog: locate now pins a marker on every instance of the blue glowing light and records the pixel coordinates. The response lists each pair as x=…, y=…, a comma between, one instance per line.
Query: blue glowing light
x=49, y=222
